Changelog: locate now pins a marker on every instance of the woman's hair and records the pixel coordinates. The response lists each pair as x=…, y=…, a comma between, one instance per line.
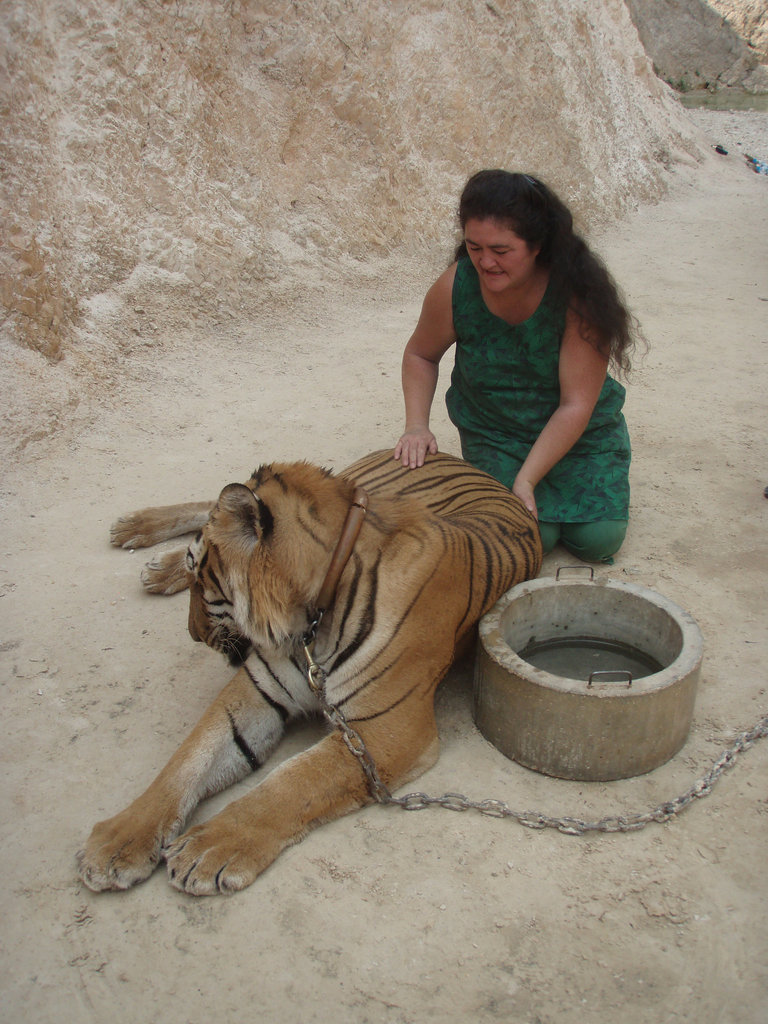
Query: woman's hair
x=533, y=211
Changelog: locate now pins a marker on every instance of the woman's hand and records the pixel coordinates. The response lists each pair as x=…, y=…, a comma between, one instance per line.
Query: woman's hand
x=413, y=446
x=523, y=489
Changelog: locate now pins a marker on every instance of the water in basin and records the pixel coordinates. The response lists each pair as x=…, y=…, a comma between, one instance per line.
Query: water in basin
x=578, y=657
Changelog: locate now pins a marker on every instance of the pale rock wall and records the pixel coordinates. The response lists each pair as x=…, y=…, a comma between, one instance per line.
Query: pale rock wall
x=165, y=161
x=698, y=44
x=750, y=19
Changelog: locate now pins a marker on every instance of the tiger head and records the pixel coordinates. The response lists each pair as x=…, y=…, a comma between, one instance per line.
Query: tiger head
x=257, y=566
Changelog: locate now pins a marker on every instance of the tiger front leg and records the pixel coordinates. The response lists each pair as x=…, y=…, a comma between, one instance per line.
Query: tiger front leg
x=230, y=850
x=235, y=734
x=150, y=526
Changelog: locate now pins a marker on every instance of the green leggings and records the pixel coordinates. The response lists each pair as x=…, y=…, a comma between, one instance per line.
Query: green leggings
x=591, y=542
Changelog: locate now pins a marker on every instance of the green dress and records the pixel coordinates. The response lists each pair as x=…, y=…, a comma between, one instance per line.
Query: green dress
x=504, y=388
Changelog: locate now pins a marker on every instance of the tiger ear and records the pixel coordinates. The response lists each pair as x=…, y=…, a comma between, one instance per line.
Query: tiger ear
x=252, y=519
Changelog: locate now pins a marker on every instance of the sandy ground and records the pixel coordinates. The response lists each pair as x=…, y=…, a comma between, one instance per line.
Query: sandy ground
x=386, y=916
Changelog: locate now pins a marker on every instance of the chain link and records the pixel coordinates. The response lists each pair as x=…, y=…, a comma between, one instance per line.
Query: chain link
x=354, y=741
x=497, y=808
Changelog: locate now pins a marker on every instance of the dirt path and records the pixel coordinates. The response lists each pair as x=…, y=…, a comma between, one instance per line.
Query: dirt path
x=386, y=916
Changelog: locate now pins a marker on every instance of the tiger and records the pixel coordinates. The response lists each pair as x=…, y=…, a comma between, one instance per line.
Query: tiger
x=433, y=550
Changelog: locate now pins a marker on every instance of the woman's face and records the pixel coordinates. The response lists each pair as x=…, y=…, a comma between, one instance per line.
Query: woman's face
x=502, y=259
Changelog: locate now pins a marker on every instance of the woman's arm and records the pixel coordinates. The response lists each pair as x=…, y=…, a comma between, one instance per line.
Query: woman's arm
x=433, y=336
x=582, y=372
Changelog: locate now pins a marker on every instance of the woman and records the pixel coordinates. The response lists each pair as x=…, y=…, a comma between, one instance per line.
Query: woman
x=536, y=320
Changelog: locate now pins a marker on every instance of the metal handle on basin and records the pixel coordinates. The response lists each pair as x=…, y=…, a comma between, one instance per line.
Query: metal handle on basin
x=611, y=672
x=586, y=568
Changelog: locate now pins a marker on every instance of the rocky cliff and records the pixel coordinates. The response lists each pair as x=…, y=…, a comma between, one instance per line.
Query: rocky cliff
x=225, y=157
x=750, y=19
x=706, y=44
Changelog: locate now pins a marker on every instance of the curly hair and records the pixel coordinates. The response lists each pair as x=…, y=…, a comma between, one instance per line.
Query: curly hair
x=537, y=215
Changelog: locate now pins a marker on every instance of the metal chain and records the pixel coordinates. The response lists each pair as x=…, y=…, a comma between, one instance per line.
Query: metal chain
x=616, y=823
x=497, y=808
x=354, y=741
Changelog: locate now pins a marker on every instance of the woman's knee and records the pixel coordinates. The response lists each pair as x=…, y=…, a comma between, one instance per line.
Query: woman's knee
x=550, y=535
x=594, y=542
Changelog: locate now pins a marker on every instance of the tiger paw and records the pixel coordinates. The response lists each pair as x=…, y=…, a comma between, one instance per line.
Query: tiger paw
x=133, y=531
x=119, y=853
x=213, y=858
x=167, y=574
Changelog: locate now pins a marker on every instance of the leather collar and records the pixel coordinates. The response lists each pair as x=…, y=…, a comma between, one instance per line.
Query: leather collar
x=349, y=534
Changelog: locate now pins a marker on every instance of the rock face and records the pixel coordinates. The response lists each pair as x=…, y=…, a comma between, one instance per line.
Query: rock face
x=222, y=158
x=212, y=162
x=750, y=19
x=696, y=44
